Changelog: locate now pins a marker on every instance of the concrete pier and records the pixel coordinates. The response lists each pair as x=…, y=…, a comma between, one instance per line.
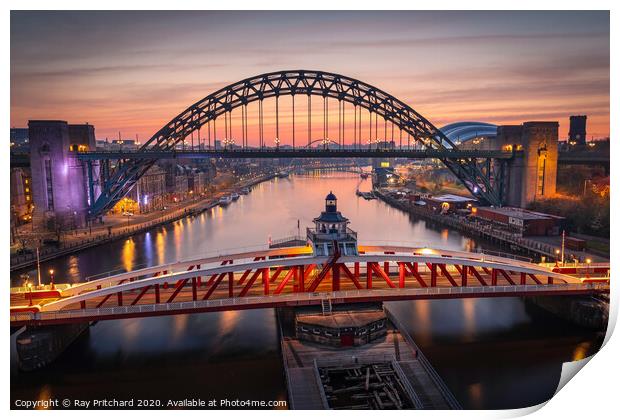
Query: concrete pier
x=588, y=312
x=37, y=347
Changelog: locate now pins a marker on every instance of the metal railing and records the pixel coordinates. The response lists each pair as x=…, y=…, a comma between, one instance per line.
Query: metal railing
x=428, y=367
x=288, y=239
x=319, y=384
x=316, y=234
x=308, y=298
x=503, y=255
x=417, y=403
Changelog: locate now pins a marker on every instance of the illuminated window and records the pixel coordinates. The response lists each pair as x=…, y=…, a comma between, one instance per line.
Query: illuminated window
x=50, y=188
x=540, y=187
x=27, y=198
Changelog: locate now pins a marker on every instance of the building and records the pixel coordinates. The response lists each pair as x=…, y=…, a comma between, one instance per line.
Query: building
x=449, y=203
x=342, y=328
x=19, y=137
x=524, y=222
x=330, y=229
x=384, y=176
x=470, y=134
x=61, y=192
x=198, y=182
x=21, y=195
x=148, y=194
x=577, y=130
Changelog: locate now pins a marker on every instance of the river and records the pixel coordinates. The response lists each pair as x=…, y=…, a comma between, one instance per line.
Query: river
x=492, y=353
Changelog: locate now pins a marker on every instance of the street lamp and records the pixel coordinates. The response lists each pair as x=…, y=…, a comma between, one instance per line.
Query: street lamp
x=52, y=278
x=585, y=185
x=557, y=255
x=588, y=262
x=29, y=286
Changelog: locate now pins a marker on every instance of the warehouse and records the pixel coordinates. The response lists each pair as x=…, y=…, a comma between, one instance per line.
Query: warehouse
x=525, y=222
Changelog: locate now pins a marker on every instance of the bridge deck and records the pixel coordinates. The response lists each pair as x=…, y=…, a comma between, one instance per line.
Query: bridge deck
x=291, y=277
x=297, y=153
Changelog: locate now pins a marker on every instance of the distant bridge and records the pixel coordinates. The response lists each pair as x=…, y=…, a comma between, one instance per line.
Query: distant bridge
x=295, y=277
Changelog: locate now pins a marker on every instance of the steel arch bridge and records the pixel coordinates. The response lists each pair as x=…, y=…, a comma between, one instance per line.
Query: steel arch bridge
x=477, y=179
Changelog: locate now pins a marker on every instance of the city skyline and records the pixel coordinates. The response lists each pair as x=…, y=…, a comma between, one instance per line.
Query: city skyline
x=132, y=72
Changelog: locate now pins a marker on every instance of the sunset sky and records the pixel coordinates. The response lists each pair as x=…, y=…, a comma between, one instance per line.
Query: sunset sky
x=134, y=71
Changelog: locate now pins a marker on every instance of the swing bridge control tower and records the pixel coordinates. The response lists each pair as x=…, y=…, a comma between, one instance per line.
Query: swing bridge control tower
x=331, y=234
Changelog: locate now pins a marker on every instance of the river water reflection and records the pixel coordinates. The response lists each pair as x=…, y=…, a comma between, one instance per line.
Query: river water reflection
x=493, y=353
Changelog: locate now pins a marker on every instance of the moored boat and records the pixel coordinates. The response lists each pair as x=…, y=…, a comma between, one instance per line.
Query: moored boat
x=225, y=200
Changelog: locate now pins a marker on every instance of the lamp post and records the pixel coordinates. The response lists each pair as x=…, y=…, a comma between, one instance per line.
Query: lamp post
x=585, y=185
x=29, y=285
x=557, y=256
x=38, y=268
x=52, y=278
x=563, y=239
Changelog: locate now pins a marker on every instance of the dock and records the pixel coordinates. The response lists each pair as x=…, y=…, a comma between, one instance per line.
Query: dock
x=489, y=233
x=391, y=370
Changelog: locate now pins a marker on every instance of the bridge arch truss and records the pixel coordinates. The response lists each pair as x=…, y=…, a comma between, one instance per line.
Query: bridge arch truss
x=308, y=83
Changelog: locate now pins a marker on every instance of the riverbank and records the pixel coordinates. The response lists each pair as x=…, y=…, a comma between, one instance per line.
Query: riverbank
x=106, y=234
x=515, y=243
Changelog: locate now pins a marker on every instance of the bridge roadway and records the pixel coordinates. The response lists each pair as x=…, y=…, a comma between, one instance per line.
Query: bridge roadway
x=294, y=277
x=295, y=153
x=564, y=158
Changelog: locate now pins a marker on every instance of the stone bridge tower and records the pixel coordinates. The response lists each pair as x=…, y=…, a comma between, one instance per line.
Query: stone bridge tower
x=532, y=175
x=59, y=181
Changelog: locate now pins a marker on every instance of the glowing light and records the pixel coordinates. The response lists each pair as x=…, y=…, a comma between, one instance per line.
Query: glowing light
x=427, y=251
x=128, y=254
x=581, y=351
